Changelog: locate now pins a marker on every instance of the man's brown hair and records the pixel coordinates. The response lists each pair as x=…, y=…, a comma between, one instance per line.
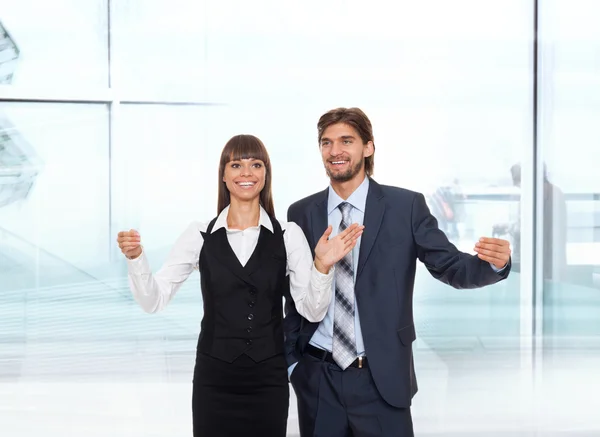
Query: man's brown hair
x=355, y=118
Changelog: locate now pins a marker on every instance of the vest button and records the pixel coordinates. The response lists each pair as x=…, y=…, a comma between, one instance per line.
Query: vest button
x=248, y=342
x=250, y=316
x=251, y=304
x=249, y=329
x=253, y=290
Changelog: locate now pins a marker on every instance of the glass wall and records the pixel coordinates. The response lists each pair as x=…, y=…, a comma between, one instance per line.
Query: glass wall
x=113, y=114
x=569, y=192
x=568, y=199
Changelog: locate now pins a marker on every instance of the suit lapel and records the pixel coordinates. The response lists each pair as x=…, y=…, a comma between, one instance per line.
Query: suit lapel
x=374, y=211
x=318, y=218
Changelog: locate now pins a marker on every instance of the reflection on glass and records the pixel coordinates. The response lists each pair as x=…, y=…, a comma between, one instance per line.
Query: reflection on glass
x=19, y=164
x=55, y=316
x=58, y=50
x=570, y=203
x=53, y=183
x=9, y=55
x=554, y=230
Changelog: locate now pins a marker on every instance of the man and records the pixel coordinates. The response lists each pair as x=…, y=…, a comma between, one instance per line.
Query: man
x=554, y=228
x=353, y=373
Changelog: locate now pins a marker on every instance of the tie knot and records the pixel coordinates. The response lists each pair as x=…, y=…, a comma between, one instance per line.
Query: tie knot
x=345, y=207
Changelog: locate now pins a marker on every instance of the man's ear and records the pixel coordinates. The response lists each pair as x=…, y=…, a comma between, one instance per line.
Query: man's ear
x=369, y=149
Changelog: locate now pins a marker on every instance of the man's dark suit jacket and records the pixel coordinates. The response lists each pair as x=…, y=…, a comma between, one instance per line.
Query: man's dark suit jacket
x=399, y=229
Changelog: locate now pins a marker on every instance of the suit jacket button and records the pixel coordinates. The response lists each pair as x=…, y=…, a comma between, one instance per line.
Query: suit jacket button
x=250, y=316
x=251, y=304
x=249, y=342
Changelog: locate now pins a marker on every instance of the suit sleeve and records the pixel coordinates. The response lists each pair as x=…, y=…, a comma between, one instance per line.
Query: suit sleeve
x=443, y=260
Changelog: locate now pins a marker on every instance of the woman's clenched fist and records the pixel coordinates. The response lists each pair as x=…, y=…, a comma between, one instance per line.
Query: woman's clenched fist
x=130, y=243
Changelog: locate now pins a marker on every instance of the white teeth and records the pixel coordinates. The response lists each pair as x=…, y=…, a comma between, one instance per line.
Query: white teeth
x=338, y=162
x=246, y=184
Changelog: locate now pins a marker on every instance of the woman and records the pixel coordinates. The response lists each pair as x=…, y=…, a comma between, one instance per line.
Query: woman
x=248, y=261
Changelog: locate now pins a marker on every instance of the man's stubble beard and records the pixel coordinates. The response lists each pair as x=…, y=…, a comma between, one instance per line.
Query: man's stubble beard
x=346, y=176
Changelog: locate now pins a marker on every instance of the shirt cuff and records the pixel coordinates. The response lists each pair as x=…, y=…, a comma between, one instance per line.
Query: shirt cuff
x=317, y=275
x=321, y=281
x=496, y=269
x=139, y=266
x=320, y=287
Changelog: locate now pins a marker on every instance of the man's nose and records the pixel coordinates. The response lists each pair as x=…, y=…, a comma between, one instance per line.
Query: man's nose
x=335, y=149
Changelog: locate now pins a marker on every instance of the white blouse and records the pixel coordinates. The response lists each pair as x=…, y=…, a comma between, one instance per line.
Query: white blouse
x=310, y=289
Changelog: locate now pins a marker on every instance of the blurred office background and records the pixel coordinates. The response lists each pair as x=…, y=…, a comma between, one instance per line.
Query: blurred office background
x=113, y=114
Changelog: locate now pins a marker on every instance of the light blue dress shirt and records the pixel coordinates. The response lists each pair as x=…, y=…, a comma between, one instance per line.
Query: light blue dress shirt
x=323, y=336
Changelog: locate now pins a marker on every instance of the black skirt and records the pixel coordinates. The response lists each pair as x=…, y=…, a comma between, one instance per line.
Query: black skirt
x=243, y=398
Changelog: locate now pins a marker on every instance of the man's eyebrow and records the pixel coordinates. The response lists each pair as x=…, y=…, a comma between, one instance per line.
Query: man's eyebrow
x=343, y=137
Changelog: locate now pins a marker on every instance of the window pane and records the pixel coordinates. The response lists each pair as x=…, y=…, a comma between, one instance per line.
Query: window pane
x=54, y=210
x=570, y=203
x=421, y=144
x=571, y=191
x=159, y=46
x=54, y=173
x=58, y=44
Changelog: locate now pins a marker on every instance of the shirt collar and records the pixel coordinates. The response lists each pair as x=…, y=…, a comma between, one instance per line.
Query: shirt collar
x=264, y=221
x=358, y=199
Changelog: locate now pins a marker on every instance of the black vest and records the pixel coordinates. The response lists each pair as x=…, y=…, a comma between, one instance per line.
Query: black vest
x=243, y=308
